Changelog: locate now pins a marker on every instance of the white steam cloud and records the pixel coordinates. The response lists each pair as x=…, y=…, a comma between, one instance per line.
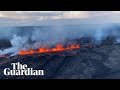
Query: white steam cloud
x=30, y=37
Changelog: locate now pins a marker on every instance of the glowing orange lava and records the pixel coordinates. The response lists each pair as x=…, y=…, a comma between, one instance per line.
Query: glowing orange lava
x=59, y=47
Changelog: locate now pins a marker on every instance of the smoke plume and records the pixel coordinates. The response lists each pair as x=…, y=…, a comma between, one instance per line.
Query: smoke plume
x=34, y=37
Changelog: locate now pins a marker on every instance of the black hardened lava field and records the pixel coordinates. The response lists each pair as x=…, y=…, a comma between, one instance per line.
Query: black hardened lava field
x=60, y=45
x=90, y=61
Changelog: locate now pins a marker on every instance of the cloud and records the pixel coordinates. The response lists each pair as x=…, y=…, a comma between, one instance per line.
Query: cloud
x=43, y=14
x=76, y=14
x=27, y=17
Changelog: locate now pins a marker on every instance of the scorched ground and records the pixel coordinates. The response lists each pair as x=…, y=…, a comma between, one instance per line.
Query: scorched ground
x=101, y=62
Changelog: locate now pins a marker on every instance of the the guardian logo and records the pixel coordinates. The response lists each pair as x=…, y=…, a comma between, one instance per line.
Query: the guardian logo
x=19, y=69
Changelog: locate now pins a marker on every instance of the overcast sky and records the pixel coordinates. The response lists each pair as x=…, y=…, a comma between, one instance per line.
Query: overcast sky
x=28, y=17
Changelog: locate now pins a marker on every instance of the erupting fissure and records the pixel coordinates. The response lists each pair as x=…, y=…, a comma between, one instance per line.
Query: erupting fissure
x=59, y=47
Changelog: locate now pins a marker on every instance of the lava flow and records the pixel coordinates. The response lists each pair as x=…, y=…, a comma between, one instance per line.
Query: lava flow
x=59, y=47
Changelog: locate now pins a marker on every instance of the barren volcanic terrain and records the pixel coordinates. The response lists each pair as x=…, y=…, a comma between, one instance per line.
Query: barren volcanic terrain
x=98, y=62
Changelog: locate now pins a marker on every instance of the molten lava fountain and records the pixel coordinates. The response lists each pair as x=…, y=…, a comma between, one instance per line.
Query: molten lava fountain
x=59, y=47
